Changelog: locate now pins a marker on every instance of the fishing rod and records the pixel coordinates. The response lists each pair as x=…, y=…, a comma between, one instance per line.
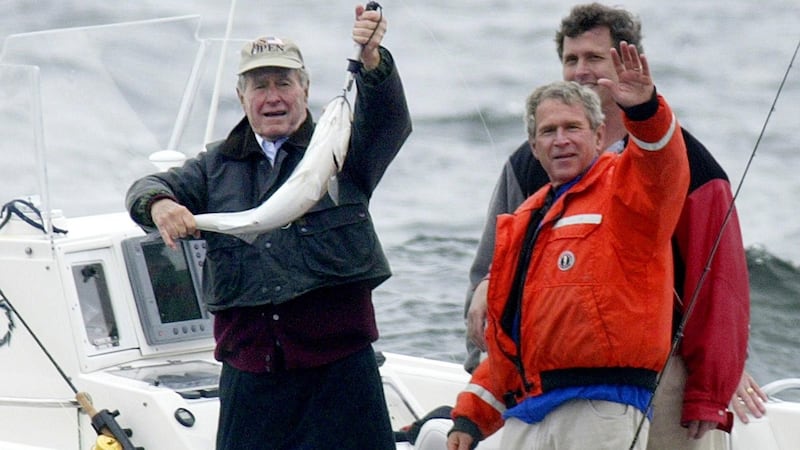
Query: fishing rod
x=707, y=268
x=354, y=62
x=103, y=421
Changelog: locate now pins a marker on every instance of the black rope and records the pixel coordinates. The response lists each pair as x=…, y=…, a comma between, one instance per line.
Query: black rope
x=690, y=306
x=6, y=339
x=11, y=208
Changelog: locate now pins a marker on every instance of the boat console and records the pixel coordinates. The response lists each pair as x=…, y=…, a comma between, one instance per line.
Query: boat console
x=167, y=287
x=122, y=315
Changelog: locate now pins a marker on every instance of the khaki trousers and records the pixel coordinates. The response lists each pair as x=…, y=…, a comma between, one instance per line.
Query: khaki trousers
x=578, y=425
x=666, y=432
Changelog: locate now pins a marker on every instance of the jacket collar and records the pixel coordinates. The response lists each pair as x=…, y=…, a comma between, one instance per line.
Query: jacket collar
x=537, y=199
x=241, y=141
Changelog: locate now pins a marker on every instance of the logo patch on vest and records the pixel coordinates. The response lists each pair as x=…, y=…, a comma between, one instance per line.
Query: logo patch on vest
x=566, y=260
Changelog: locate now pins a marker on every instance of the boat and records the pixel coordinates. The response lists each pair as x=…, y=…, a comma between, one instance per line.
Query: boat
x=88, y=346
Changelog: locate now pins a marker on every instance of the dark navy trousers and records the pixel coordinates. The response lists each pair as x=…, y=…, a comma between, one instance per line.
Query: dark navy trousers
x=340, y=405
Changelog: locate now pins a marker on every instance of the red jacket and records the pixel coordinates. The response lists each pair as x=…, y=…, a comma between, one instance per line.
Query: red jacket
x=597, y=298
x=721, y=308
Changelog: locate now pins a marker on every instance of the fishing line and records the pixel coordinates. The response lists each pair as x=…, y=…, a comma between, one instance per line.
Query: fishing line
x=456, y=69
x=690, y=306
x=102, y=421
x=6, y=301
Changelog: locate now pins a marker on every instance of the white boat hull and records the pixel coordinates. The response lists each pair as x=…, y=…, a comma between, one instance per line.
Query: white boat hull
x=37, y=276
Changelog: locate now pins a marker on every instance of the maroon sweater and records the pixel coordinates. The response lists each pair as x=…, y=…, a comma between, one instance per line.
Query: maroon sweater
x=308, y=331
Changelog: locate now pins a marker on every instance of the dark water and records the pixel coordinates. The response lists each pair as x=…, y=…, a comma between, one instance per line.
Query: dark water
x=425, y=293
x=775, y=316
x=467, y=66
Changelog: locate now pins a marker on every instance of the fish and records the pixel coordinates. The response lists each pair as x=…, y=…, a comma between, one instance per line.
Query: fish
x=311, y=180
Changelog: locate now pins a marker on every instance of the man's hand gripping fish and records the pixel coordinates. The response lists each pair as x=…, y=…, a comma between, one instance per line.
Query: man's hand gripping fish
x=307, y=184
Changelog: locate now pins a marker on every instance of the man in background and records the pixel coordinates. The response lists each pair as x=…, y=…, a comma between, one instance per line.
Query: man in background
x=701, y=380
x=580, y=288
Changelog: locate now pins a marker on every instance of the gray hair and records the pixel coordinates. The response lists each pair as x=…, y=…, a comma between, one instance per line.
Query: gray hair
x=568, y=92
x=241, y=82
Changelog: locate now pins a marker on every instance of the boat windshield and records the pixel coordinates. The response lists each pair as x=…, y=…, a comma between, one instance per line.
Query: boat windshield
x=80, y=113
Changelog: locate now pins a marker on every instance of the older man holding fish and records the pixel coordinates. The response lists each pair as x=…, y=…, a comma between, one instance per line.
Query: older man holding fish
x=294, y=320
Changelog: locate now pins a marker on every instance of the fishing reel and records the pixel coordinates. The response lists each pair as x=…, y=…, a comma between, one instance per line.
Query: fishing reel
x=110, y=435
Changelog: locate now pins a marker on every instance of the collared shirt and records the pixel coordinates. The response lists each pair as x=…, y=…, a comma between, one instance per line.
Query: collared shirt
x=270, y=147
x=619, y=146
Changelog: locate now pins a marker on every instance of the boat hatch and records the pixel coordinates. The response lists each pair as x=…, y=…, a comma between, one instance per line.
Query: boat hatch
x=190, y=379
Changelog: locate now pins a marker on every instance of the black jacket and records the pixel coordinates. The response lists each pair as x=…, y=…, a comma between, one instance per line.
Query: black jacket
x=331, y=244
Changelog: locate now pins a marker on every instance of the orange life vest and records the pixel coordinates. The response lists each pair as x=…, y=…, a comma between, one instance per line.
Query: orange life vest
x=596, y=304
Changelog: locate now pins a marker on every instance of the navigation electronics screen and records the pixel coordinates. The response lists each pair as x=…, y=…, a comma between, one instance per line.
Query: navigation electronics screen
x=172, y=283
x=167, y=288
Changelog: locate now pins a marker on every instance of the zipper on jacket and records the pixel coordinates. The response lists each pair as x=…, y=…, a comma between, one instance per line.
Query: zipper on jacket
x=511, y=318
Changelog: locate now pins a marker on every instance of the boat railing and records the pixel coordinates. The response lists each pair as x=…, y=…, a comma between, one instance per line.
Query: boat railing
x=788, y=387
x=39, y=402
